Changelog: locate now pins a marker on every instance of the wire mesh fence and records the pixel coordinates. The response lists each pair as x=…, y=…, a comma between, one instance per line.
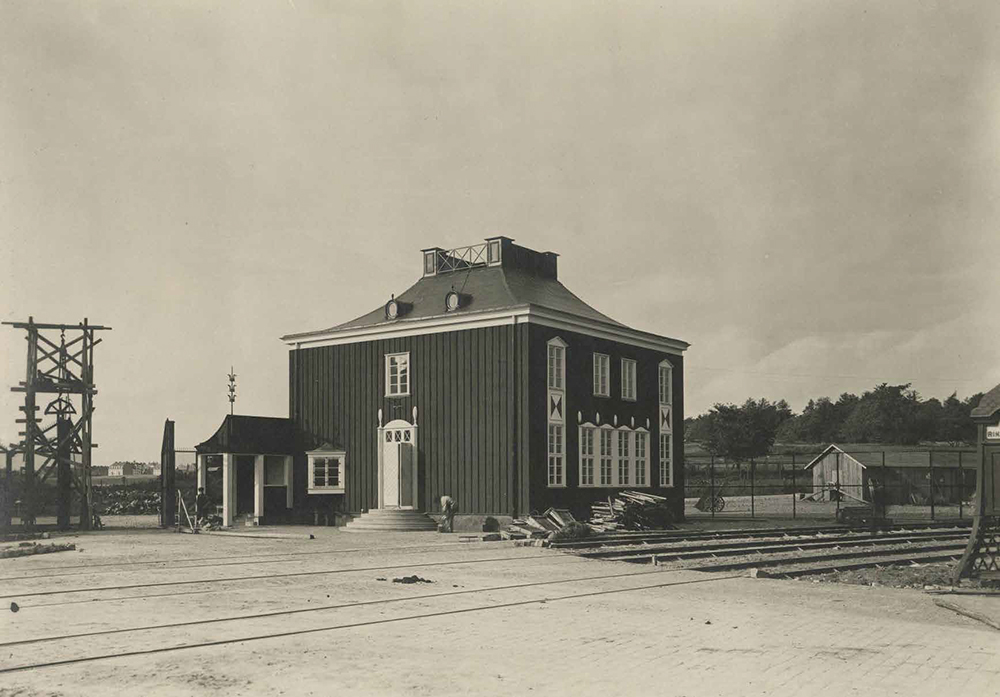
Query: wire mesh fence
x=832, y=484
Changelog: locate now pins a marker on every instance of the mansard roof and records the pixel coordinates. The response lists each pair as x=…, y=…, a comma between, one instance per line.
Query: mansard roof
x=522, y=280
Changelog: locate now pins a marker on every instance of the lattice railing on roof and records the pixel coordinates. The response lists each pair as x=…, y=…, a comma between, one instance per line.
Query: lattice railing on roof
x=462, y=258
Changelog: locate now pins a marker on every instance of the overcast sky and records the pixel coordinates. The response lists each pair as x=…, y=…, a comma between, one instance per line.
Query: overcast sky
x=807, y=192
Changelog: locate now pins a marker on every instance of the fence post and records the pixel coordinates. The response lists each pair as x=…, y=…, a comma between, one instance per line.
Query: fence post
x=837, y=479
x=961, y=485
x=795, y=493
x=711, y=492
x=753, y=467
x=930, y=476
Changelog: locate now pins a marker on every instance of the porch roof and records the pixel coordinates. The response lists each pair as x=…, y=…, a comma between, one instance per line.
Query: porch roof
x=250, y=435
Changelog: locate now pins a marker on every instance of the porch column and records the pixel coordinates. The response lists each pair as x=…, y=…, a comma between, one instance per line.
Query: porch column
x=381, y=447
x=258, y=488
x=202, y=468
x=288, y=481
x=228, y=489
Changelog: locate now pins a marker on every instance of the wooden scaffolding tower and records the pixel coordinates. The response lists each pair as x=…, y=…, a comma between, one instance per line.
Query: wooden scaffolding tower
x=59, y=439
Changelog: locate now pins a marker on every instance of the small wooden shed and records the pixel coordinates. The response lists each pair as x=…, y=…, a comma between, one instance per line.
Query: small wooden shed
x=916, y=477
x=834, y=470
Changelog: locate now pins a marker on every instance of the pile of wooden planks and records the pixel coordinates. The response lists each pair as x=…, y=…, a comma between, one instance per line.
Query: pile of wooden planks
x=630, y=510
x=535, y=526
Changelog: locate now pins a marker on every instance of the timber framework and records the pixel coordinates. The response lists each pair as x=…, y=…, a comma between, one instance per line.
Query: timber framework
x=59, y=437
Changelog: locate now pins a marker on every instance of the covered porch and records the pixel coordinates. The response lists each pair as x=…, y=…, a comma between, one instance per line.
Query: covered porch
x=255, y=457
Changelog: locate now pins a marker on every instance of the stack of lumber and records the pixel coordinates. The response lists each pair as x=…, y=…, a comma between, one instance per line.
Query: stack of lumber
x=538, y=526
x=630, y=510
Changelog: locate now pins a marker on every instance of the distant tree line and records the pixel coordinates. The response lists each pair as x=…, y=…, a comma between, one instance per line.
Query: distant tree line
x=887, y=414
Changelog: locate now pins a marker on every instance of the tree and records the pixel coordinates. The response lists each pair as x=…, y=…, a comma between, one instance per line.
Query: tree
x=746, y=432
x=887, y=414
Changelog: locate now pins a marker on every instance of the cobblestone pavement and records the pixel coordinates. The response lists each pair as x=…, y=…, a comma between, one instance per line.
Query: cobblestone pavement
x=634, y=631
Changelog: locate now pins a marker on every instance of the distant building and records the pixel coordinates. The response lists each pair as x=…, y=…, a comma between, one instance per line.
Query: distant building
x=121, y=469
x=99, y=471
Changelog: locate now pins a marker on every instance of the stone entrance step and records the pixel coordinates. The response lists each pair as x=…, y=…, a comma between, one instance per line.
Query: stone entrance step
x=392, y=520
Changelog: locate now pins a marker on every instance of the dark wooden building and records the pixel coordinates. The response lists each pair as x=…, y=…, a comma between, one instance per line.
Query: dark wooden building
x=488, y=381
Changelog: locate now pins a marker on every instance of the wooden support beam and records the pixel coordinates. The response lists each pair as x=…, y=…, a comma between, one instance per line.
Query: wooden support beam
x=61, y=327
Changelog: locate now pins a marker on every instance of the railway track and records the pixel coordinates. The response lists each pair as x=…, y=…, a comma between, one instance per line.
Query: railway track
x=785, y=553
x=124, y=632
x=623, y=538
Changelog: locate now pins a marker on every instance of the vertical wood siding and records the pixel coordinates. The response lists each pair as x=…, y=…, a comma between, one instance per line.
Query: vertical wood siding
x=462, y=385
x=580, y=397
x=482, y=435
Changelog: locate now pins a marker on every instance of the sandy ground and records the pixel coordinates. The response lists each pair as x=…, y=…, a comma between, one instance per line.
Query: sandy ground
x=497, y=620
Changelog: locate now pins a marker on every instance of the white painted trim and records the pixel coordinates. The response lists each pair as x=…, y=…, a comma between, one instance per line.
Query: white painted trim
x=399, y=425
x=258, y=488
x=451, y=322
x=310, y=472
x=606, y=374
x=409, y=374
x=635, y=379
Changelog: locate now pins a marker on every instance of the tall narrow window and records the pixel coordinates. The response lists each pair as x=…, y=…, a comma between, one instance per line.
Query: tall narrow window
x=397, y=374
x=666, y=423
x=665, y=387
x=628, y=379
x=605, y=457
x=586, y=456
x=556, y=470
x=640, y=458
x=557, y=355
x=666, y=461
x=601, y=375
x=624, y=460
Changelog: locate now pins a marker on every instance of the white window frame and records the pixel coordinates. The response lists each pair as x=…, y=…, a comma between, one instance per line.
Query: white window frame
x=588, y=462
x=605, y=457
x=666, y=460
x=666, y=388
x=389, y=359
x=556, y=364
x=623, y=458
x=602, y=375
x=629, y=379
x=341, y=475
x=640, y=460
x=557, y=455
x=665, y=374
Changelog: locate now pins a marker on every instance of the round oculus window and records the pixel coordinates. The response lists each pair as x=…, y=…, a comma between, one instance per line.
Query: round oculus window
x=392, y=309
x=451, y=301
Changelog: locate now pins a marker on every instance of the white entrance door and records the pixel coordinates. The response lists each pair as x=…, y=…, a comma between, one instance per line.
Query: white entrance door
x=398, y=472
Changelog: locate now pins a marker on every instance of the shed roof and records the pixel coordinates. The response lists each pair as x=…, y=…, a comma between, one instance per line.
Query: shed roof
x=901, y=459
x=989, y=405
x=250, y=435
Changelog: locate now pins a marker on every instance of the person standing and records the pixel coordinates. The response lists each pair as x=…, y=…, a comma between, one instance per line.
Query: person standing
x=448, y=507
x=201, y=505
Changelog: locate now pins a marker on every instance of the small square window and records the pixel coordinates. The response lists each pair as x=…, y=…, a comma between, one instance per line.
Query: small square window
x=326, y=472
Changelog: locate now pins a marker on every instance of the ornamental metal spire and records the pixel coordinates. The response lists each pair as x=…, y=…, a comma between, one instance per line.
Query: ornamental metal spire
x=232, y=389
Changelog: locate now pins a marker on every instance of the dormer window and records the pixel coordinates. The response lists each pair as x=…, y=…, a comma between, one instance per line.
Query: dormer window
x=452, y=301
x=394, y=309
